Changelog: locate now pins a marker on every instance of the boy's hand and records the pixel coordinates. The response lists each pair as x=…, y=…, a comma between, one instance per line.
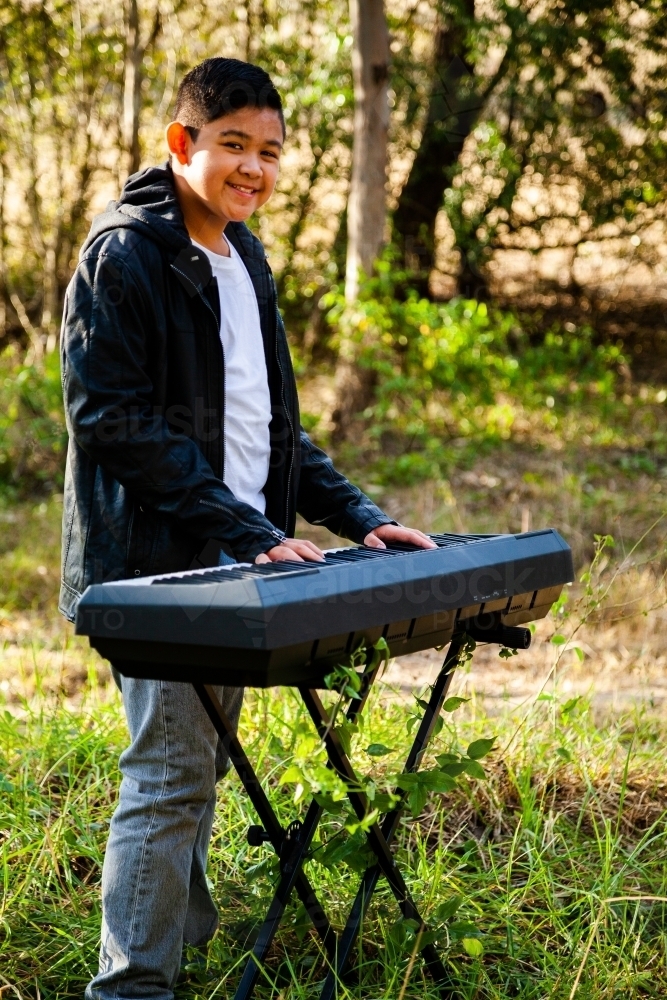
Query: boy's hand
x=294, y=550
x=397, y=533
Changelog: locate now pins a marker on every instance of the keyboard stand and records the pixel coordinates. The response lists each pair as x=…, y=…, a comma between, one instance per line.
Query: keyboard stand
x=293, y=844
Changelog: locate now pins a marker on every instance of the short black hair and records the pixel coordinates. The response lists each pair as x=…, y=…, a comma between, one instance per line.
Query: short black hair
x=218, y=87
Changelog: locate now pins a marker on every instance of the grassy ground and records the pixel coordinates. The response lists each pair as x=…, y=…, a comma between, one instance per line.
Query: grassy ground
x=558, y=857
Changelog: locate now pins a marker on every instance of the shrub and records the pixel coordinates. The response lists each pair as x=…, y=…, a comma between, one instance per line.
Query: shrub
x=462, y=373
x=32, y=423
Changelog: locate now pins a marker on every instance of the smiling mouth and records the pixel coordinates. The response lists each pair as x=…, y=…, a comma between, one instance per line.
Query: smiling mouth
x=242, y=189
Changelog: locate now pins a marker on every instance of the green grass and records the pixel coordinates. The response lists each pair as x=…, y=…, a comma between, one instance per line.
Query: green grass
x=557, y=857
x=570, y=817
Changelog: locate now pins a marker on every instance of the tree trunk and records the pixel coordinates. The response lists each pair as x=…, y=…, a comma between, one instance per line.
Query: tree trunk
x=257, y=19
x=135, y=49
x=132, y=89
x=366, y=201
x=453, y=111
x=3, y=286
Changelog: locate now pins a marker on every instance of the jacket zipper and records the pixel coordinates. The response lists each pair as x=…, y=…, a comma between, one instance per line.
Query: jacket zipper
x=222, y=351
x=224, y=383
x=228, y=510
x=289, y=419
x=276, y=534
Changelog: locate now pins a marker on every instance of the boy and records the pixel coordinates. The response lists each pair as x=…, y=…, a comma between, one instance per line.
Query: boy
x=185, y=450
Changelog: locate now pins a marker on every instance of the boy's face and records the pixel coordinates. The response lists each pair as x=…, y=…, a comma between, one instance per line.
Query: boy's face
x=232, y=168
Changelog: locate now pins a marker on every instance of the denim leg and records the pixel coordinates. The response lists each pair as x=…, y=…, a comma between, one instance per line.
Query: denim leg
x=201, y=920
x=153, y=886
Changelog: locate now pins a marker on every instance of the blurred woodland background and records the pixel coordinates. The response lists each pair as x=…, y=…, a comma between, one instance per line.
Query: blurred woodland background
x=520, y=292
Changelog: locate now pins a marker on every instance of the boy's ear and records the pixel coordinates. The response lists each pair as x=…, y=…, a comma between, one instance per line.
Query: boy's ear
x=179, y=141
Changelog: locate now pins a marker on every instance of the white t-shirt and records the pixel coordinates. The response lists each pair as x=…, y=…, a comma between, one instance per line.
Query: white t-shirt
x=247, y=398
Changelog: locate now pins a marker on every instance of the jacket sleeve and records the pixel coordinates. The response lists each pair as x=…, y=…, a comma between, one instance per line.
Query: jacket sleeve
x=327, y=497
x=108, y=400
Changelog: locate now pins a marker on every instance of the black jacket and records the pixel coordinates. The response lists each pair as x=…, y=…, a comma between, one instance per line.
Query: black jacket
x=143, y=381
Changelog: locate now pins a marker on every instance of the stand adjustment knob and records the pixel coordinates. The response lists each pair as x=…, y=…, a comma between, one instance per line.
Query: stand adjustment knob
x=257, y=836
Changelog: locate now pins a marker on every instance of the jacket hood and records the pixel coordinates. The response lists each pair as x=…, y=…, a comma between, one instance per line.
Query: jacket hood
x=148, y=204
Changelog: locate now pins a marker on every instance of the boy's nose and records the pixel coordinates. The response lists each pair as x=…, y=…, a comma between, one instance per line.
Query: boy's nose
x=251, y=167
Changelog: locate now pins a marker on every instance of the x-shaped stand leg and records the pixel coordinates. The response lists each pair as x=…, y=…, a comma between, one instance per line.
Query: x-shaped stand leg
x=291, y=845
x=380, y=837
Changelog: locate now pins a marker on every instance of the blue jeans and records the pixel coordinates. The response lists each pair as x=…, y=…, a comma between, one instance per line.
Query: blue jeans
x=155, y=897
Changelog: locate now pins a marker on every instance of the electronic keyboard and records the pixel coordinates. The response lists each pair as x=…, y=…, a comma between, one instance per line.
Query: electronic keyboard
x=290, y=622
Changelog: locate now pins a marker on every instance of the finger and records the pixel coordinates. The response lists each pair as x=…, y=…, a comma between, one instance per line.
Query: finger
x=262, y=558
x=373, y=542
x=308, y=551
x=411, y=535
x=421, y=541
x=315, y=548
x=285, y=553
x=419, y=538
x=303, y=545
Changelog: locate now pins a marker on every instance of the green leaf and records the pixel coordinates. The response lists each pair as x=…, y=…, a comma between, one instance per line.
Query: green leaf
x=473, y=947
x=377, y=750
x=462, y=928
x=417, y=800
x=453, y=703
x=422, y=704
x=438, y=781
x=447, y=909
x=475, y=770
x=564, y=754
x=579, y=652
x=455, y=768
x=385, y=801
x=328, y=803
x=291, y=775
x=344, y=732
x=266, y=867
x=447, y=758
x=428, y=937
x=408, y=781
x=480, y=748
x=558, y=640
x=403, y=932
x=570, y=704
x=506, y=652
x=302, y=922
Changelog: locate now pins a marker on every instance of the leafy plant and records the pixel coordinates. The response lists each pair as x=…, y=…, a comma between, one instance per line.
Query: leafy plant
x=32, y=423
x=446, y=377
